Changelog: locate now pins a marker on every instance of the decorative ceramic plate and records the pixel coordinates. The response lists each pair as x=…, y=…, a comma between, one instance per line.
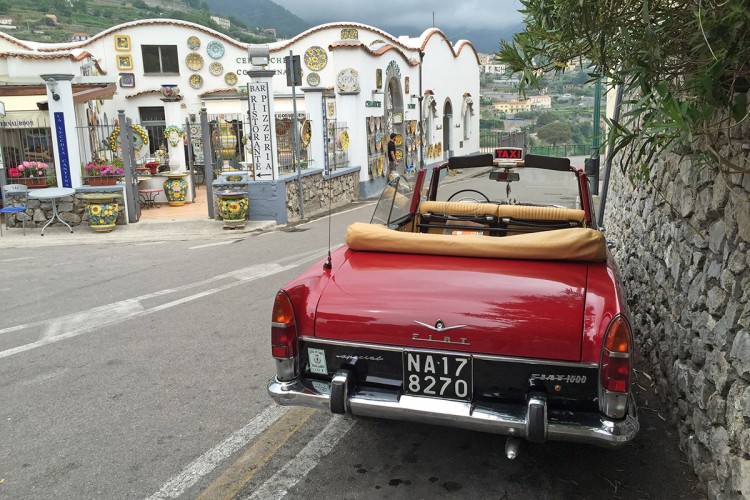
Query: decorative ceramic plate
x=399, y=140
x=381, y=164
x=194, y=43
x=313, y=79
x=344, y=139
x=316, y=58
x=216, y=68
x=348, y=80
x=378, y=136
x=371, y=145
x=196, y=81
x=194, y=61
x=215, y=49
x=380, y=123
x=230, y=79
x=306, y=133
x=399, y=154
x=378, y=145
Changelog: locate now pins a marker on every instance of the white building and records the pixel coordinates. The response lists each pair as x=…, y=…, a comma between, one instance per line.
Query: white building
x=370, y=81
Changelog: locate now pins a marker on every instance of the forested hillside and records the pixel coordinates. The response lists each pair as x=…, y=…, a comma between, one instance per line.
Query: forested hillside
x=248, y=22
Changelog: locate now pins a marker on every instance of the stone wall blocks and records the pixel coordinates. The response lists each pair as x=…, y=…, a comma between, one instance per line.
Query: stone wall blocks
x=714, y=268
x=742, y=214
x=698, y=351
x=737, y=262
x=740, y=355
x=700, y=458
x=744, y=319
x=696, y=292
x=720, y=194
x=39, y=215
x=740, y=476
x=716, y=235
x=716, y=409
x=718, y=370
x=716, y=300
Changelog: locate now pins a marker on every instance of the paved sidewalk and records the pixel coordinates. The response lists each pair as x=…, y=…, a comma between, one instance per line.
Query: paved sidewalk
x=143, y=231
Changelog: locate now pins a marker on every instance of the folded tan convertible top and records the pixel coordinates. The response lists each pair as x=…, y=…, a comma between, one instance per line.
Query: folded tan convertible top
x=576, y=244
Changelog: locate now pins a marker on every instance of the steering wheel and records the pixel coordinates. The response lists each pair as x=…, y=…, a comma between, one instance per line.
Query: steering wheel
x=469, y=198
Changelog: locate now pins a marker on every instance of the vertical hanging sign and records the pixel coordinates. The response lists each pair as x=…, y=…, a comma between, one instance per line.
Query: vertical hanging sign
x=62, y=149
x=260, y=129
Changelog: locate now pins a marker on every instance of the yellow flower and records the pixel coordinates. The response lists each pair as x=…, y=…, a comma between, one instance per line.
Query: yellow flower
x=234, y=207
x=96, y=209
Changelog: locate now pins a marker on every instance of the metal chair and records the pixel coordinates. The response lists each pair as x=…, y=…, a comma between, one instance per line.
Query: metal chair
x=14, y=190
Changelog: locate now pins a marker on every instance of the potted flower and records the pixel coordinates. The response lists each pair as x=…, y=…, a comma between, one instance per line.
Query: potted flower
x=152, y=166
x=102, y=173
x=33, y=174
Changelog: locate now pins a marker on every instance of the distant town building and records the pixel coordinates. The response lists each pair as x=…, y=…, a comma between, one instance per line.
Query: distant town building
x=79, y=37
x=512, y=107
x=272, y=31
x=222, y=21
x=51, y=17
x=6, y=21
x=540, y=101
x=488, y=65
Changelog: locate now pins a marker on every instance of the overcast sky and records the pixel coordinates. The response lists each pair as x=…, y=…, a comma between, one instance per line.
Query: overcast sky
x=483, y=22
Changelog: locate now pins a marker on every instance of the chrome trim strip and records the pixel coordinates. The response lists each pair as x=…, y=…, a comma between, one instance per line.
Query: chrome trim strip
x=591, y=428
x=623, y=355
x=276, y=324
x=484, y=357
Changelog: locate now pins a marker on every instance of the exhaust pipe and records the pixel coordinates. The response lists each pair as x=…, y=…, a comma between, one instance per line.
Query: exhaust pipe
x=512, y=446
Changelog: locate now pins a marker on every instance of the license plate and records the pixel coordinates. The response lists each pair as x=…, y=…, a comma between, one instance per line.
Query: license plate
x=438, y=375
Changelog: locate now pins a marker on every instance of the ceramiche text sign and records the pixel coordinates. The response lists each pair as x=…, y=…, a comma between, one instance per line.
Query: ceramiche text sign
x=259, y=102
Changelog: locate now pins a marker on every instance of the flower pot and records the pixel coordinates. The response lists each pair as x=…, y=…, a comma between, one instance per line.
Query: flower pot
x=233, y=207
x=101, y=211
x=33, y=182
x=102, y=181
x=175, y=188
x=153, y=168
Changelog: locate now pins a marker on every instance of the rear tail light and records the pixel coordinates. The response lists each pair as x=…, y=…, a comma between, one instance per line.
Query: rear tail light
x=616, y=367
x=283, y=328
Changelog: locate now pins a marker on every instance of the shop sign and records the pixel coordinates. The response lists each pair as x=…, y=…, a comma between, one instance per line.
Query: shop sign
x=373, y=104
x=259, y=102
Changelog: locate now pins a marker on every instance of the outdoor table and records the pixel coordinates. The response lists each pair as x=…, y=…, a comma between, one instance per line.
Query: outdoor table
x=52, y=194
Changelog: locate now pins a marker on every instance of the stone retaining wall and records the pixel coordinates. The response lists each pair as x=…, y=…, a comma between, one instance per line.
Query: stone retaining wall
x=344, y=189
x=71, y=209
x=682, y=251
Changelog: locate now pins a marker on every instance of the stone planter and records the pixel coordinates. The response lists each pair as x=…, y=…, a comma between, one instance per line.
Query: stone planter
x=102, y=181
x=33, y=182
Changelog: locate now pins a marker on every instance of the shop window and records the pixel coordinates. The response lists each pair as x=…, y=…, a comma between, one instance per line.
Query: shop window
x=160, y=59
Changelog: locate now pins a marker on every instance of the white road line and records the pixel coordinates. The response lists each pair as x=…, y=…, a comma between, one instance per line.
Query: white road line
x=95, y=319
x=297, y=468
x=16, y=259
x=228, y=242
x=212, y=458
x=364, y=205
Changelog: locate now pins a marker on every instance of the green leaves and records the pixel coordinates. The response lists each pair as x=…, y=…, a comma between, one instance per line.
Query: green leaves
x=683, y=65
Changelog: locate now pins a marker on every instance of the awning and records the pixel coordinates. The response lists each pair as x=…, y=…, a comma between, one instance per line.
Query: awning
x=24, y=95
x=25, y=119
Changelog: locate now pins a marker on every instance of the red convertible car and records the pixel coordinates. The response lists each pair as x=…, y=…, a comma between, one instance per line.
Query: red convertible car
x=486, y=300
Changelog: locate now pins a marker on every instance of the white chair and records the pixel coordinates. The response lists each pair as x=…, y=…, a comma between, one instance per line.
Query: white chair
x=16, y=191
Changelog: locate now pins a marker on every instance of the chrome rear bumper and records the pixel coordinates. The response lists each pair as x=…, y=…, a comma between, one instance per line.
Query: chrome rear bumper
x=534, y=420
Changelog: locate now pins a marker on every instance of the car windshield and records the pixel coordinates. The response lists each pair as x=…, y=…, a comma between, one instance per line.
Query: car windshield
x=511, y=186
x=394, y=202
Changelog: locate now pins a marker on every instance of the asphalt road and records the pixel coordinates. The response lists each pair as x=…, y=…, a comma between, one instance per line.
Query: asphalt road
x=140, y=370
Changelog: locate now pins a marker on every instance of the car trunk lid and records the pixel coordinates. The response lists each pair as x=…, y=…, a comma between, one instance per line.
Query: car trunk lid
x=520, y=308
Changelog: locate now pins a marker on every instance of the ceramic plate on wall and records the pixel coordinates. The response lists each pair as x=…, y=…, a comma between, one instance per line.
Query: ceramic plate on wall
x=194, y=61
x=316, y=58
x=230, y=79
x=196, y=81
x=216, y=68
x=215, y=49
x=313, y=79
x=194, y=43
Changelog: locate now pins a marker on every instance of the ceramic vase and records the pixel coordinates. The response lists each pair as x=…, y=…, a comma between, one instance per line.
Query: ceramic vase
x=233, y=208
x=175, y=188
x=102, y=214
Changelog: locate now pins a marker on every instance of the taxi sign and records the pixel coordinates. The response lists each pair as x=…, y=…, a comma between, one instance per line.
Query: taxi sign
x=508, y=153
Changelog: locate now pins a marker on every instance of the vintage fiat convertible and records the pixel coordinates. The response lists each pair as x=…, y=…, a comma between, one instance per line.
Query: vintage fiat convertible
x=486, y=300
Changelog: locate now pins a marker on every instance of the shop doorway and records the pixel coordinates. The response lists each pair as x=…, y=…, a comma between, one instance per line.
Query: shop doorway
x=447, y=128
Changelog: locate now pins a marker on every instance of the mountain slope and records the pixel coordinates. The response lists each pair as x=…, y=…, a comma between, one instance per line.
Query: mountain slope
x=262, y=13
